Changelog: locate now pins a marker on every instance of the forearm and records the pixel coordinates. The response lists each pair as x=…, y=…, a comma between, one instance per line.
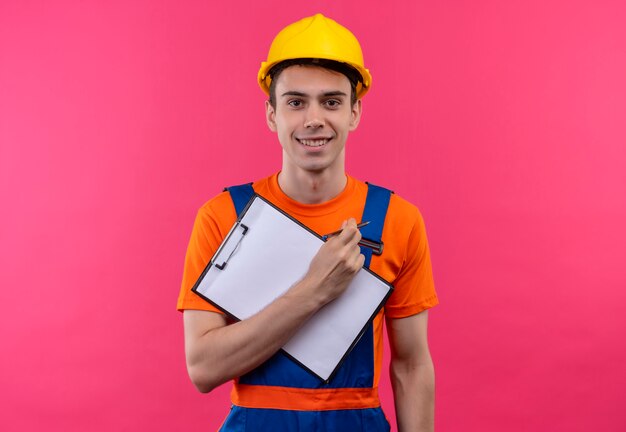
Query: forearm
x=217, y=352
x=414, y=394
x=225, y=352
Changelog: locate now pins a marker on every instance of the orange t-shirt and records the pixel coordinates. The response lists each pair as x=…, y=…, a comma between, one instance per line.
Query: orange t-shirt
x=405, y=263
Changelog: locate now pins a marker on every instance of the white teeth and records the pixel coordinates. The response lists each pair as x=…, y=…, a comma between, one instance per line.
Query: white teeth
x=314, y=143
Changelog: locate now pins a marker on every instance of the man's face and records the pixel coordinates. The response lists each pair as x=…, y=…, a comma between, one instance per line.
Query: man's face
x=312, y=118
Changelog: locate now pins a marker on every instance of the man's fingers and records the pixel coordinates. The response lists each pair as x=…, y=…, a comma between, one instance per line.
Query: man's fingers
x=350, y=233
x=357, y=259
x=360, y=260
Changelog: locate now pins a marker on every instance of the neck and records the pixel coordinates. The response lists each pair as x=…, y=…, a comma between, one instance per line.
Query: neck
x=310, y=187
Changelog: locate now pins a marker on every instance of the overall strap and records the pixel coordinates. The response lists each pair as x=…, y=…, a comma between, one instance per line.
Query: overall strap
x=240, y=195
x=376, y=205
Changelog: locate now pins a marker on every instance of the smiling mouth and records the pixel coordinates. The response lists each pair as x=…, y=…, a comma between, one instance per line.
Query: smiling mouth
x=314, y=142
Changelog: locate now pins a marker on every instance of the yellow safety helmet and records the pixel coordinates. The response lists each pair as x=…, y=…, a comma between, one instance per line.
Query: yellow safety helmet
x=316, y=37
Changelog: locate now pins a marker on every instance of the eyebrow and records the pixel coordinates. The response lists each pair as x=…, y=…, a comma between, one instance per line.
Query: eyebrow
x=325, y=94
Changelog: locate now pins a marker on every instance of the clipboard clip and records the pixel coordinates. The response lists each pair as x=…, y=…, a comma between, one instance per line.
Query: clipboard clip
x=244, y=230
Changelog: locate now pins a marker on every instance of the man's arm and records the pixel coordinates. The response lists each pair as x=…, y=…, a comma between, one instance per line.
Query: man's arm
x=217, y=352
x=412, y=373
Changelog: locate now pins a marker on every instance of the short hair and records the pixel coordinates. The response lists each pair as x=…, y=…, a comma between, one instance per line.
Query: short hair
x=343, y=68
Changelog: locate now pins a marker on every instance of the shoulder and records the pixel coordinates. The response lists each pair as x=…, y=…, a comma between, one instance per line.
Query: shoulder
x=404, y=222
x=400, y=210
x=221, y=205
x=405, y=210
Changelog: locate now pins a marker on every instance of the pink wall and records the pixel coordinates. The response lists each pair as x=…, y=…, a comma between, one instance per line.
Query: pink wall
x=504, y=121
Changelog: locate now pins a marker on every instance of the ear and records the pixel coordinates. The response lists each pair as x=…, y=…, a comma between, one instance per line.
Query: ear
x=270, y=116
x=355, y=115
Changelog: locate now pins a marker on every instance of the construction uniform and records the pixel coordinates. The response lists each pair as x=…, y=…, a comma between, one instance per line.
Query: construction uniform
x=281, y=395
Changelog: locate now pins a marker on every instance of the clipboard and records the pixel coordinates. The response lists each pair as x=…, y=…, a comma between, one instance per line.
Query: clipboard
x=264, y=254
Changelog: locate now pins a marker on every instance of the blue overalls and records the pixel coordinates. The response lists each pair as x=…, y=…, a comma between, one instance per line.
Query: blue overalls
x=354, y=377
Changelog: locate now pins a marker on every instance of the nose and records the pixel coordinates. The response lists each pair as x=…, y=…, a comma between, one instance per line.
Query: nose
x=313, y=118
x=314, y=123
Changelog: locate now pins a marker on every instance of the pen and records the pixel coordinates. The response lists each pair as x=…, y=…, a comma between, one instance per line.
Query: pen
x=334, y=233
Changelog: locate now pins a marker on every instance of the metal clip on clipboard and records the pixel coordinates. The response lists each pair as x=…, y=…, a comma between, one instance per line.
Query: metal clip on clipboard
x=376, y=247
x=243, y=229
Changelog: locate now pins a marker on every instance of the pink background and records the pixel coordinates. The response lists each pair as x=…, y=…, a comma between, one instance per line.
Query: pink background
x=505, y=122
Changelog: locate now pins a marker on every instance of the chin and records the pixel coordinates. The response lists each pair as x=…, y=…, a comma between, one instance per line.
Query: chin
x=314, y=169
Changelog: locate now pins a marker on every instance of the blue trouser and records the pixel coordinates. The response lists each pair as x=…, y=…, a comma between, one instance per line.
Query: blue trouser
x=261, y=420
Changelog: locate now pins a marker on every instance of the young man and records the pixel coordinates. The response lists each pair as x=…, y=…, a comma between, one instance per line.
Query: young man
x=315, y=79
